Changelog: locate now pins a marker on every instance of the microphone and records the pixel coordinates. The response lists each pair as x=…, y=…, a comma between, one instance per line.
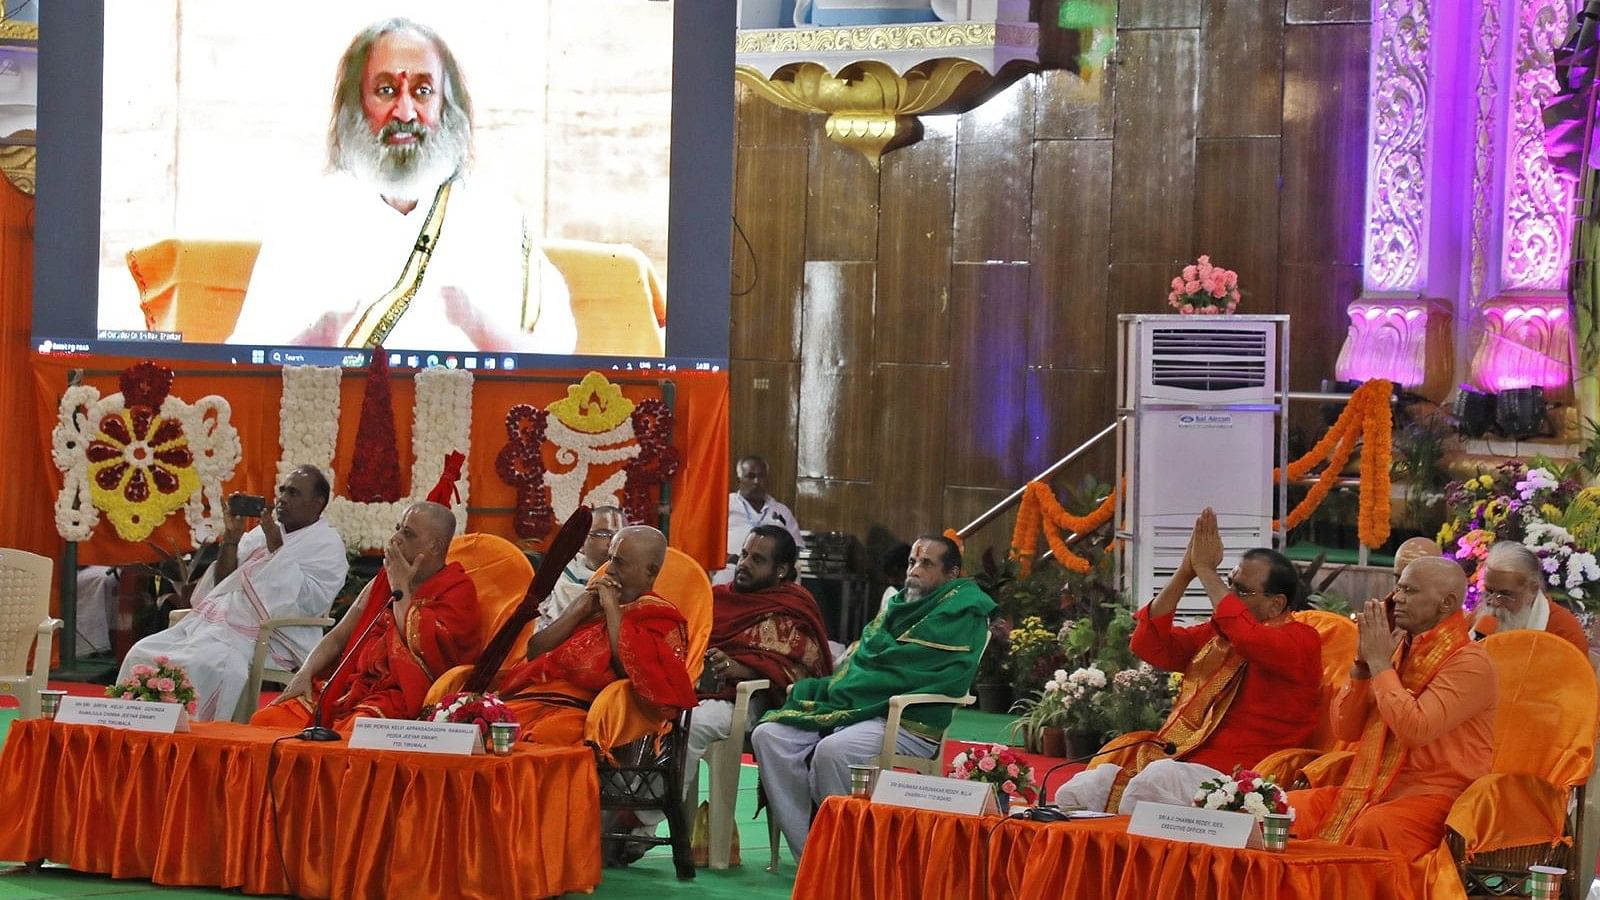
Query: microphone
x=316, y=731
x=1047, y=812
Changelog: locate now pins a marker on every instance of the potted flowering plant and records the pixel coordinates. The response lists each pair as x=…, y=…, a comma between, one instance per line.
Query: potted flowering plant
x=1544, y=508
x=1245, y=791
x=1137, y=700
x=164, y=682
x=998, y=765
x=1042, y=717
x=469, y=708
x=1204, y=289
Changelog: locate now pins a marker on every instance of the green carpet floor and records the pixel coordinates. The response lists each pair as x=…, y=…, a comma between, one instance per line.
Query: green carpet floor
x=650, y=877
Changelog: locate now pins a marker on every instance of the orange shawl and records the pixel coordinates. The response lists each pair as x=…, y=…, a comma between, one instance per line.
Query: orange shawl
x=1378, y=759
x=1210, y=682
x=392, y=671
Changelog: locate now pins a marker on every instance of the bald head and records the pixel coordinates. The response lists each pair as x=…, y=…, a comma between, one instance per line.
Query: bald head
x=422, y=537
x=1414, y=549
x=1430, y=589
x=435, y=520
x=637, y=554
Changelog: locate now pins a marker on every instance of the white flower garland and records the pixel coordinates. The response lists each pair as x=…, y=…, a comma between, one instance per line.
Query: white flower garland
x=441, y=422
x=213, y=443
x=309, y=440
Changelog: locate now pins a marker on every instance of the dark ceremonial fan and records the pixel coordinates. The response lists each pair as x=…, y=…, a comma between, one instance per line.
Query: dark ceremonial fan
x=568, y=541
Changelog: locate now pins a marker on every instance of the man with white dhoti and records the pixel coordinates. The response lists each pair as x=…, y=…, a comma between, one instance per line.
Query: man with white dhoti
x=290, y=566
x=397, y=246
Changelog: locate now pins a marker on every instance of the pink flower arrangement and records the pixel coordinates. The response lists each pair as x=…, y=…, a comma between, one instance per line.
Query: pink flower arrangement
x=164, y=682
x=1205, y=289
x=470, y=709
x=995, y=764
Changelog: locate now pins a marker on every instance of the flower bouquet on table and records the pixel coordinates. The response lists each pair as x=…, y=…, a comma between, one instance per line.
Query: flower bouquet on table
x=164, y=682
x=1204, y=289
x=998, y=765
x=1245, y=791
x=468, y=708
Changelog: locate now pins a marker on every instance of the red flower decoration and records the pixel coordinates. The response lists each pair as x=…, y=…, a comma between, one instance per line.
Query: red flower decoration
x=375, y=474
x=521, y=465
x=657, y=460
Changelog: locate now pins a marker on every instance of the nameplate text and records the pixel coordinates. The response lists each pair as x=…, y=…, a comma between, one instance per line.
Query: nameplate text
x=134, y=715
x=1195, y=826
x=456, y=738
x=951, y=795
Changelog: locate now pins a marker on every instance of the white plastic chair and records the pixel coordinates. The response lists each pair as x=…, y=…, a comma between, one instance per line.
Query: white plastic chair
x=250, y=696
x=25, y=623
x=723, y=759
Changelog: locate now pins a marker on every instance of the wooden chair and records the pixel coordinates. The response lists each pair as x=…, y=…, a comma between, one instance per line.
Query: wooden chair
x=1326, y=755
x=1529, y=810
x=25, y=624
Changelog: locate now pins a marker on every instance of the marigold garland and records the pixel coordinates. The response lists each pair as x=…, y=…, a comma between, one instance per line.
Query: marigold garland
x=1366, y=420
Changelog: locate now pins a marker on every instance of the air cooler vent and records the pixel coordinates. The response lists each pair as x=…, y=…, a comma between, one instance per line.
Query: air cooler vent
x=1200, y=359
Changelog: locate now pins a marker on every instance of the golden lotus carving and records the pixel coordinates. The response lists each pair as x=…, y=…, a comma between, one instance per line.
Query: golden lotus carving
x=871, y=108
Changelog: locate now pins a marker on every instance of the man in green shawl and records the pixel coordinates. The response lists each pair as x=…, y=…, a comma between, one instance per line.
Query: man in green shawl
x=927, y=639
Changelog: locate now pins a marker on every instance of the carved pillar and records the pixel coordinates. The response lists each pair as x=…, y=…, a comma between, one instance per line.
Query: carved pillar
x=1396, y=331
x=1523, y=333
x=1404, y=341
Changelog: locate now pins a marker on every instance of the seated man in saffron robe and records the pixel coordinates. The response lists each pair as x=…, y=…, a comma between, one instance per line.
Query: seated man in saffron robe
x=1514, y=598
x=391, y=669
x=927, y=639
x=616, y=629
x=1251, y=675
x=1421, y=701
x=764, y=625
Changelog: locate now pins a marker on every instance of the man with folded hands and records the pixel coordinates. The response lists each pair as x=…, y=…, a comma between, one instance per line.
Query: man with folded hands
x=1251, y=676
x=1421, y=702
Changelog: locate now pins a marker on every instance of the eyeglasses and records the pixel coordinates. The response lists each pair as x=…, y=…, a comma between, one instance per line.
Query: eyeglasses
x=602, y=533
x=1241, y=590
x=1500, y=598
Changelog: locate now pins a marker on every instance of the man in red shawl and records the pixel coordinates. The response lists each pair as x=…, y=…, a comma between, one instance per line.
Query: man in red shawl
x=764, y=625
x=616, y=629
x=391, y=668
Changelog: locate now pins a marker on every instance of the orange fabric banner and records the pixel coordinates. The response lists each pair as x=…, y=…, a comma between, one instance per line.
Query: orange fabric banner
x=699, y=402
x=354, y=823
x=859, y=850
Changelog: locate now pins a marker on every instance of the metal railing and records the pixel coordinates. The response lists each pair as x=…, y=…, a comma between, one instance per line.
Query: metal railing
x=1055, y=468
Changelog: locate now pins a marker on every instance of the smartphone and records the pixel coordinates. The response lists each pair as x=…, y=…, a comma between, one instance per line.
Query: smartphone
x=1388, y=610
x=246, y=506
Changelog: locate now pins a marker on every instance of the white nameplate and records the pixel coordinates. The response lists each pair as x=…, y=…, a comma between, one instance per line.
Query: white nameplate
x=134, y=715
x=458, y=738
x=1195, y=826
x=951, y=795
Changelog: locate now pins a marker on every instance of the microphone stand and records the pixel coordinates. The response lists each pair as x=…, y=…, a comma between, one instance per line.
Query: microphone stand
x=1047, y=812
x=316, y=731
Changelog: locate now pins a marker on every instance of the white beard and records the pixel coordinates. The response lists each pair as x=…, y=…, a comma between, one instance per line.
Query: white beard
x=411, y=172
x=1510, y=621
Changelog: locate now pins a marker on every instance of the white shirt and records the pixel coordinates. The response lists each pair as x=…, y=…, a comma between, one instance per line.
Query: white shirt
x=344, y=247
x=743, y=518
x=568, y=588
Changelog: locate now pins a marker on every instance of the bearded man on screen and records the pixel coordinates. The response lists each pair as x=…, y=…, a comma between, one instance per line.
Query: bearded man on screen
x=397, y=245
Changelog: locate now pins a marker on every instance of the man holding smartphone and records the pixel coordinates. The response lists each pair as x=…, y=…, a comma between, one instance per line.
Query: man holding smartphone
x=289, y=566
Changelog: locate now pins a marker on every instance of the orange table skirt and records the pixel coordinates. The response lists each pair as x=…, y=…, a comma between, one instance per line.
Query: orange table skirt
x=858, y=850
x=192, y=809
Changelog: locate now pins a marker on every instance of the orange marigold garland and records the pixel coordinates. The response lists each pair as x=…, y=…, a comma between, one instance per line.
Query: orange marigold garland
x=1366, y=420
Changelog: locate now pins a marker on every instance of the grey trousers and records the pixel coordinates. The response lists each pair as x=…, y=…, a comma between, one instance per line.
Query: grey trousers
x=795, y=785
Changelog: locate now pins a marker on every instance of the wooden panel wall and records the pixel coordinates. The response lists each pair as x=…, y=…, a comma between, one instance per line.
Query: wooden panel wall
x=909, y=345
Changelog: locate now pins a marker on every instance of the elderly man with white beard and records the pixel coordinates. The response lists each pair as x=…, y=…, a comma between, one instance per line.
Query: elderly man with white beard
x=1512, y=598
x=397, y=246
